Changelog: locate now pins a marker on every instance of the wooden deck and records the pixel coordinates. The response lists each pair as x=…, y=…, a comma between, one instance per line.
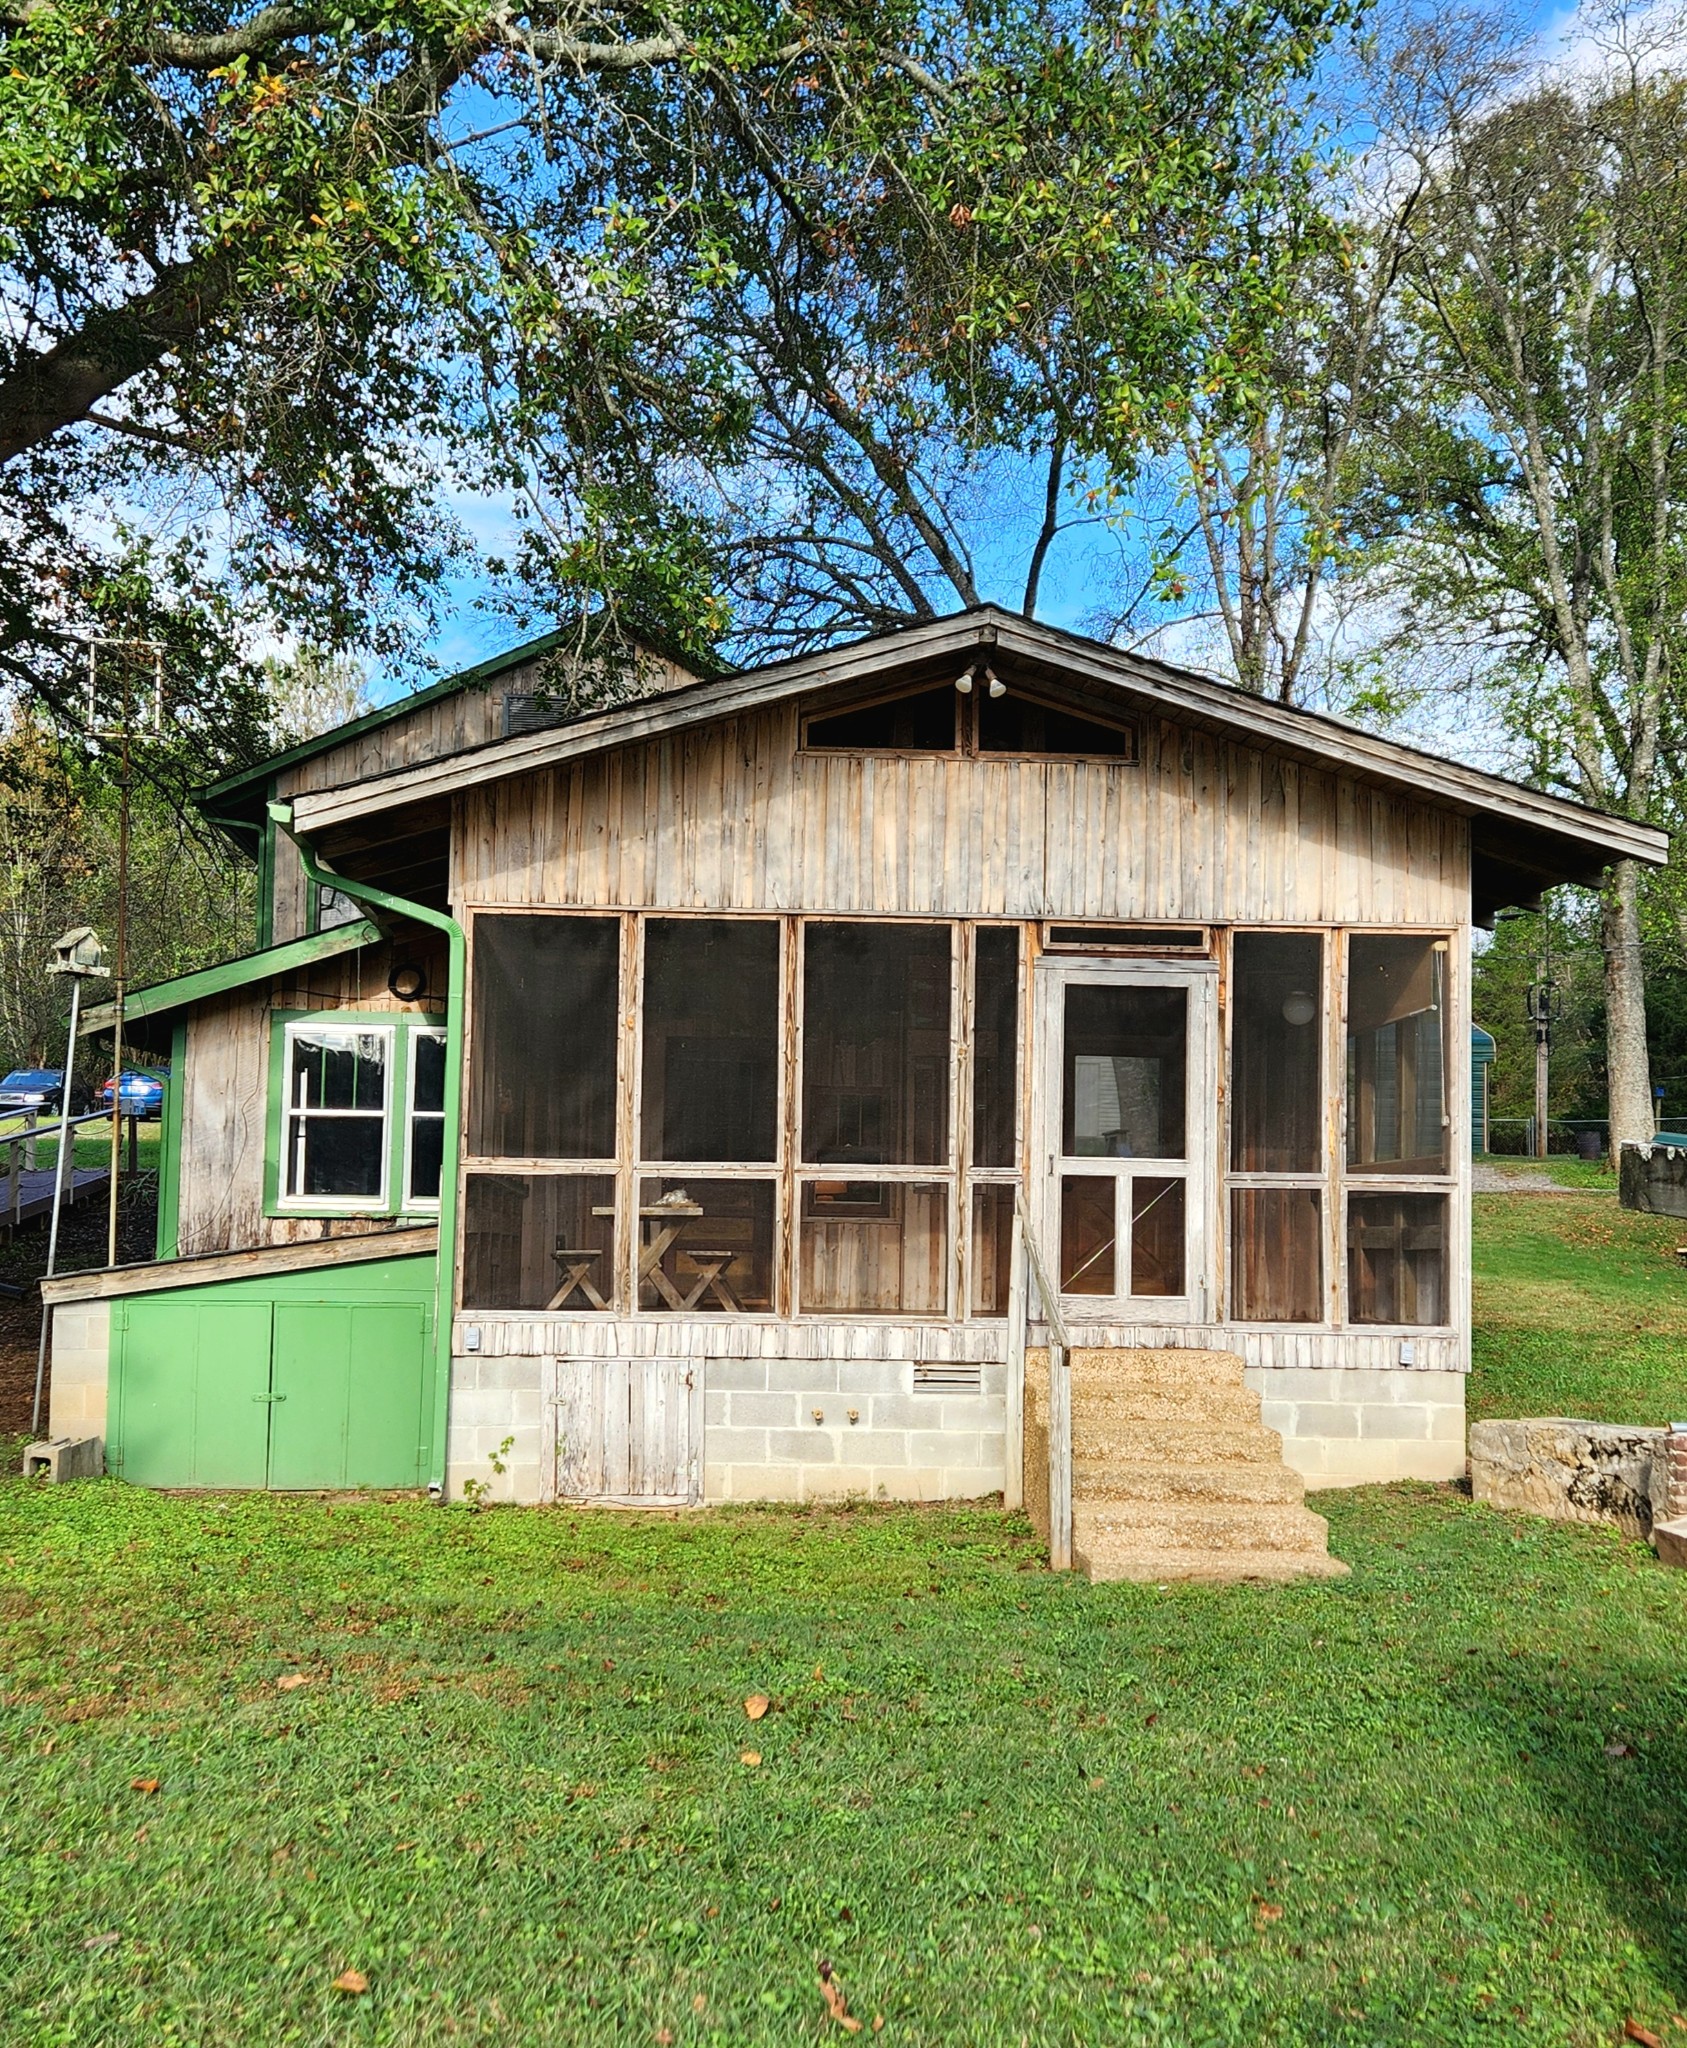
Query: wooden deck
x=35, y=1193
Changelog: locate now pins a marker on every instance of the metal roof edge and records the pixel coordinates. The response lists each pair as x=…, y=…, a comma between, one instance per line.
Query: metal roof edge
x=164, y=996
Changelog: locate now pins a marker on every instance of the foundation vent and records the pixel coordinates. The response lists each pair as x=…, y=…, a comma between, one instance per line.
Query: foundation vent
x=948, y=1379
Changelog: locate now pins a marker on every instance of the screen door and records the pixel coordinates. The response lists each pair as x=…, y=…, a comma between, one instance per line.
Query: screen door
x=1128, y=1107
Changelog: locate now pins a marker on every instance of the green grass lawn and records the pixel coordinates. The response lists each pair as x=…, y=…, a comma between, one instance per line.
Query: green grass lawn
x=1442, y=1801
x=1580, y=1309
x=91, y=1144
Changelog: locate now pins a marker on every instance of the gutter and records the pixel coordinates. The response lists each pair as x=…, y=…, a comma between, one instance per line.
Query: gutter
x=445, y=1268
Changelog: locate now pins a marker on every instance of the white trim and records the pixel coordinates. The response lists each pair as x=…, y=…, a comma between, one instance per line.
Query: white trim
x=319, y=1025
x=412, y=1204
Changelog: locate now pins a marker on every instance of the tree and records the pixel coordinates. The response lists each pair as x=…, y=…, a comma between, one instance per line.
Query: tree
x=724, y=302
x=1529, y=478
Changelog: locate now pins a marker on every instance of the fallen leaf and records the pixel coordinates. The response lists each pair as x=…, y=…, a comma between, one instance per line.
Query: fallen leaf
x=700, y=2003
x=878, y=2023
x=102, y=1941
x=1265, y=1912
x=757, y=1705
x=836, y=2003
x=292, y=1681
x=752, y=1757
x=143, y=1784
x=1634, y=2031
x=819, y=1673
x=664, y=2037
x=353, y=1981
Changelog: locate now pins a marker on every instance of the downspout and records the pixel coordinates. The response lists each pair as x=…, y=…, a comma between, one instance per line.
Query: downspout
x=445, y=1264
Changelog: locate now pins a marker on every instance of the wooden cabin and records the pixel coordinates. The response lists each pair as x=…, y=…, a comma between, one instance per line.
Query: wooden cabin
x=776, y=1000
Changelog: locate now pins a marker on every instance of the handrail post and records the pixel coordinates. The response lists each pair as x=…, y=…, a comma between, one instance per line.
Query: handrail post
x=1013, y=1480
x=1060, y=1407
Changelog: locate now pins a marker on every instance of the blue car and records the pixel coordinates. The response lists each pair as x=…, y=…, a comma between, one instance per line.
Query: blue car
x=143, y=1091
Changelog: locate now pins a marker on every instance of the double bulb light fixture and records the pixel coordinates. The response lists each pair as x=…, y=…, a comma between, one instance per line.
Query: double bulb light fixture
x=964, y=682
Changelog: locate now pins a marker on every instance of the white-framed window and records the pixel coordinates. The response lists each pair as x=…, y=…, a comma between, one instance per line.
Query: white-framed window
x=337, y=1086
x=424, y=1129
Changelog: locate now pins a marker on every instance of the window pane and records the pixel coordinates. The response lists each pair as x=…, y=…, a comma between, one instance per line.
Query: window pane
x=1087, y=1232
x=546, y=1007
x=536, y=1241
x=427, y=1071
x=922, y=723
x=1123, y=1095
x=992, y=1248
x=876, y=1044
x=1018, y=725
x=874, y=1247
x=337, y=1068
x=1157, y=1236
x=1276, y=1104
x=1276, y=1255
x=1396, y=1087
x=340, y=1156
x=705, y=1246
x=995, y=1045
x=711, y=1039
x=1397, y=1258
x=427, y=1152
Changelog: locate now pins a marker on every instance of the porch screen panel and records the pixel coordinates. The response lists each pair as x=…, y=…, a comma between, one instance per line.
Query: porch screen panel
x=992, y=1246
x=1276, y=1098
x=1276, y=1255
x=1397, y=1259
x=710, y=1085
x=876, y=1031
x=546, y=1005
x=1396, y=1065
x=706, y=1246
x=1124, y=1088
x=537, y=1241
x=874, y=1247
x=995, y=1045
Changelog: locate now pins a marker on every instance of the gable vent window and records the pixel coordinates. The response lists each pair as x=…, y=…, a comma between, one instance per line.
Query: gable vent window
x=924, y=723
x=1124, y=938
x=1012, y=724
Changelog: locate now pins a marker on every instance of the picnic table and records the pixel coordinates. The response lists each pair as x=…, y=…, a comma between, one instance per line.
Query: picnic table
x=662, y=1224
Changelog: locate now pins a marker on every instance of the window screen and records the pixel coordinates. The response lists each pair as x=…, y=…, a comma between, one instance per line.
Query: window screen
x=876, y=1010
x=995, y=1045
x=1276, y=1104
x=1125, y=1072
x=711, y=1039
x=338, y=1082
x=706, y=1246
x=921, y=723
x=546, y=1004
x=1397, y=1259
x=426, y=1148
x=1396, y=1079
x=874, y=1247
x=538, y=1241
x=1020, y=725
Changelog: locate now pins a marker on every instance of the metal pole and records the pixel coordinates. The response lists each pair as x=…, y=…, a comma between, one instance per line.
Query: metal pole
x=122, y=971
x=66, y=1143
x=1543, y=1041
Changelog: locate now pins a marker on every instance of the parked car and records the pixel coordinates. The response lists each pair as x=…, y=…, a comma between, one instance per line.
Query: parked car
x=40, y=1088
x=143, y=1091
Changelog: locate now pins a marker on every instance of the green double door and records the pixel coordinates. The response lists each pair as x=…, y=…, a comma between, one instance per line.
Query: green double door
x=284, y=1394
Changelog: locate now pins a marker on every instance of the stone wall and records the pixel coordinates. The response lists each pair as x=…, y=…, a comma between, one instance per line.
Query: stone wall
x=1574, y=1471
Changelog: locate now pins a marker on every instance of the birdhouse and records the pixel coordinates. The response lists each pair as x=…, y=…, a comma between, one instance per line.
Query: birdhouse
x=79, y=952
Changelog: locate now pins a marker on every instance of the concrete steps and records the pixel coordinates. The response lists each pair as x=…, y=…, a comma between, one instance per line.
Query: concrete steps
x=1174, y=1476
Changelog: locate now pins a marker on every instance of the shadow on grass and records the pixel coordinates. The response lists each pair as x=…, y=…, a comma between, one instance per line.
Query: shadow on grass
x=1606, y=1761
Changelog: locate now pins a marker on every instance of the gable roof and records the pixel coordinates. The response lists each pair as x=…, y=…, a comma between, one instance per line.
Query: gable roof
x=1523, y=839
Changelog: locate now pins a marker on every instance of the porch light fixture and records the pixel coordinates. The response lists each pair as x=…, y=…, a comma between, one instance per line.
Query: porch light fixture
x=963, y=683
x=1299, y=1008
x=997, y=687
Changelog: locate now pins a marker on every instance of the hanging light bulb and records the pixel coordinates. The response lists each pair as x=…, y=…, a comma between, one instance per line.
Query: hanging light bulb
x=1299, y=1008
x=963, y=683
x=997, y=687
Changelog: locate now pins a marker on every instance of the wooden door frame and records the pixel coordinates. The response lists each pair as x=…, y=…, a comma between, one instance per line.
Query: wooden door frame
x=1204, y=1128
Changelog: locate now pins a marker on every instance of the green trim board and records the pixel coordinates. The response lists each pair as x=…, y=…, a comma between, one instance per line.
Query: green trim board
x=167, y=996
x=292, y=1380
x=170, y=1146
x=404, y=1025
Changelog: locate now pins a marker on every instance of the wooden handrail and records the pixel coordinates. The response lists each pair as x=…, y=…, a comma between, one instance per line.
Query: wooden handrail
x=59, y=1123
x=1060, y=1383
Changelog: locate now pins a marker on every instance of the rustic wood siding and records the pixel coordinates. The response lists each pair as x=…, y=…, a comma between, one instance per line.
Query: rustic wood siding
x=225, y=1107
x=734, y=817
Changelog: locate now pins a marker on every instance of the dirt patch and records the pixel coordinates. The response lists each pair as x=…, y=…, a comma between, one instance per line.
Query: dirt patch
x=82, y=1245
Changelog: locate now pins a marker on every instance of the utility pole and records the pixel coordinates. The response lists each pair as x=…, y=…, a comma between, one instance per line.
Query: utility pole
x=1539, y=1005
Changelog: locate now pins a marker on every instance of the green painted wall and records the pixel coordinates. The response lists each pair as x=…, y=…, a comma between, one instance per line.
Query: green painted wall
x=321, y=1378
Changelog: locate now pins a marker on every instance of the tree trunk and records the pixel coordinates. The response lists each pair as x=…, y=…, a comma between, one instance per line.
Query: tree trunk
x=1629, y=1073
